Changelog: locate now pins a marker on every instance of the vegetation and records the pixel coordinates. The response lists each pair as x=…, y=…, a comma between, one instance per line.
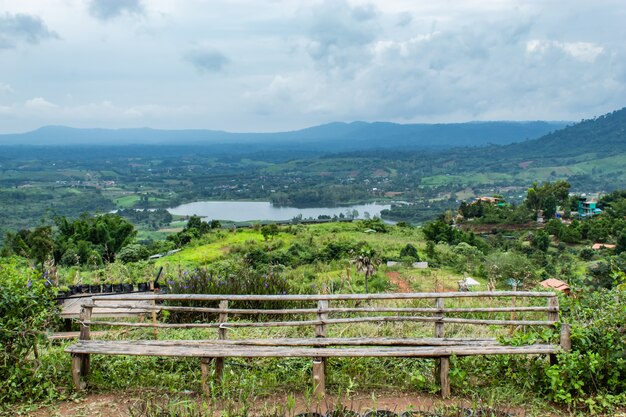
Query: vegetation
x=497, y=240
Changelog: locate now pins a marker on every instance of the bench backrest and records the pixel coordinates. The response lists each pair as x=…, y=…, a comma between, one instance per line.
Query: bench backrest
x=323, y=311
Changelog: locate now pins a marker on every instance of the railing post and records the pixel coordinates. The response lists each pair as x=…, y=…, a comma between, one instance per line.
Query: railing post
x=553, y=315
x=319, y=364
x=221, y=335
x=443, y=363
x=154, y=320
x=80, y=361
x=565, y=342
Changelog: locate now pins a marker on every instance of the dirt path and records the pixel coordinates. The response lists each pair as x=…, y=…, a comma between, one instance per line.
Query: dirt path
x=396, y=279
x=137, y=403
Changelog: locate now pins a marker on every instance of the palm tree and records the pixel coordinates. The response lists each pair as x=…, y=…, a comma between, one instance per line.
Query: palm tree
x=366, y=262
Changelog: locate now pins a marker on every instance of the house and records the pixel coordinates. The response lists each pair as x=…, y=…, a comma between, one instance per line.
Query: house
x=588, y=207
x=467, y=283
x=555, y=284
x=496, y=201
x=598, y=246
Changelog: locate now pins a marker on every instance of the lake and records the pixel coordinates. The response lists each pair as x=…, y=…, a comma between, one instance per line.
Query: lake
x=241, y=211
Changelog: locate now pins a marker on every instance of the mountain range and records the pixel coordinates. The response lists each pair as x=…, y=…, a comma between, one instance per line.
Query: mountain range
x=333, y=136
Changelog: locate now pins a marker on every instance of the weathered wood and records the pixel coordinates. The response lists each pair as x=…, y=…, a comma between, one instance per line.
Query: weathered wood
x=204, y=368
x=85, y=334
x=315, y=297
x=565, y=341
x=327, y=341
x=221, y=335
x=84, y=318
x=439, y=303
x=319, y=377
x=444, y=377
x=320, y=347
x=79, y=383
x=306, y=323
x=154, y=317
x=155, y=349
x=329, y=310
x=319, y=363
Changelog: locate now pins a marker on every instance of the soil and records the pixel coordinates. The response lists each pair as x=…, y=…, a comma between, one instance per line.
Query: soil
x=401, y=284
x=133, y=403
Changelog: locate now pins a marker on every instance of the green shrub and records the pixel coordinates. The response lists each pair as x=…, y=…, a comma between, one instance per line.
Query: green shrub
x=27, y=309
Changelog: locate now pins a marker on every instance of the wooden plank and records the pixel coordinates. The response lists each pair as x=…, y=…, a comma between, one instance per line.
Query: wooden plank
x=147, y=349
x=330, y=321
x=371, y=341
x=73, y=335
x=301, y=297
x=327, y=310
x=130, y=308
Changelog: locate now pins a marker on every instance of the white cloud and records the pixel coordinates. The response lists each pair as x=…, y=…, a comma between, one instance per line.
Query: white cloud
x=5, y=89
x=583, y=51
x=39, y=103
x=288, y=64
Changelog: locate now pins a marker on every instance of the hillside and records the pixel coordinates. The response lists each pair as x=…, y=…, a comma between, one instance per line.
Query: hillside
x=604, y=135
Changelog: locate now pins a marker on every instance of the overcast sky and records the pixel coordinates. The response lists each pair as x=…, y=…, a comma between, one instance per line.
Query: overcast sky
x=273, y=65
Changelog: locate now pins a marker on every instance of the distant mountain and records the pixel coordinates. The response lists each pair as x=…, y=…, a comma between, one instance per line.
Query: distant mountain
x=330, y=137
x=604, y=135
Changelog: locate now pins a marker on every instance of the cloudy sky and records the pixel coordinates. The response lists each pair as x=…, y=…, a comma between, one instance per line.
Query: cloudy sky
x=270, y=65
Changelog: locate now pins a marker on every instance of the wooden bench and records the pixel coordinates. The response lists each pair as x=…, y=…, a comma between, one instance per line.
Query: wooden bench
x=412, y=314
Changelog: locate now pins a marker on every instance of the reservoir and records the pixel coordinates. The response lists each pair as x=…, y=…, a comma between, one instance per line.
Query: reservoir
x=241, y=211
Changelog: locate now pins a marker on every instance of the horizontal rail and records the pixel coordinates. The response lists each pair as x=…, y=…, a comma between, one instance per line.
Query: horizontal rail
x=326, y=310
x=325, y=341
x=326, y=322
x=330, y=297
x=130, y=348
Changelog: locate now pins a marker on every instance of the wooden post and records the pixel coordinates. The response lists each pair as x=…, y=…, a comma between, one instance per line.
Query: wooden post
x=154, y=319
x=204, y=366
x=79, y=382
x=444, y=376
x=80, y=362
x=319, y=364
x=566, y=343
x=442, y=368
x=553, y=315
x=221, y=335
x=512, y=327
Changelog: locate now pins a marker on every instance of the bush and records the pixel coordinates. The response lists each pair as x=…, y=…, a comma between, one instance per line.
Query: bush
x=27, y=309
x=228, y=278
x=593, y=375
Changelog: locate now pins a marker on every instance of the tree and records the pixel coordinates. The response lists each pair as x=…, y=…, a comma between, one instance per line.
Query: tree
x=409, y=251
x=41, y=244
x=366, y=262
x=541, y=241
x=269, y=231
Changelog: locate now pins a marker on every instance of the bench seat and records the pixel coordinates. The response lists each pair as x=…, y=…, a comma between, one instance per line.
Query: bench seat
x=234, y=348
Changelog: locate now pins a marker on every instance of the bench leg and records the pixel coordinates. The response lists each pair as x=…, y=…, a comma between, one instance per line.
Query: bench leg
x=444, y=376
x=219, y=369
x=80, y=369
x=204, y=366
x=319, y=377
